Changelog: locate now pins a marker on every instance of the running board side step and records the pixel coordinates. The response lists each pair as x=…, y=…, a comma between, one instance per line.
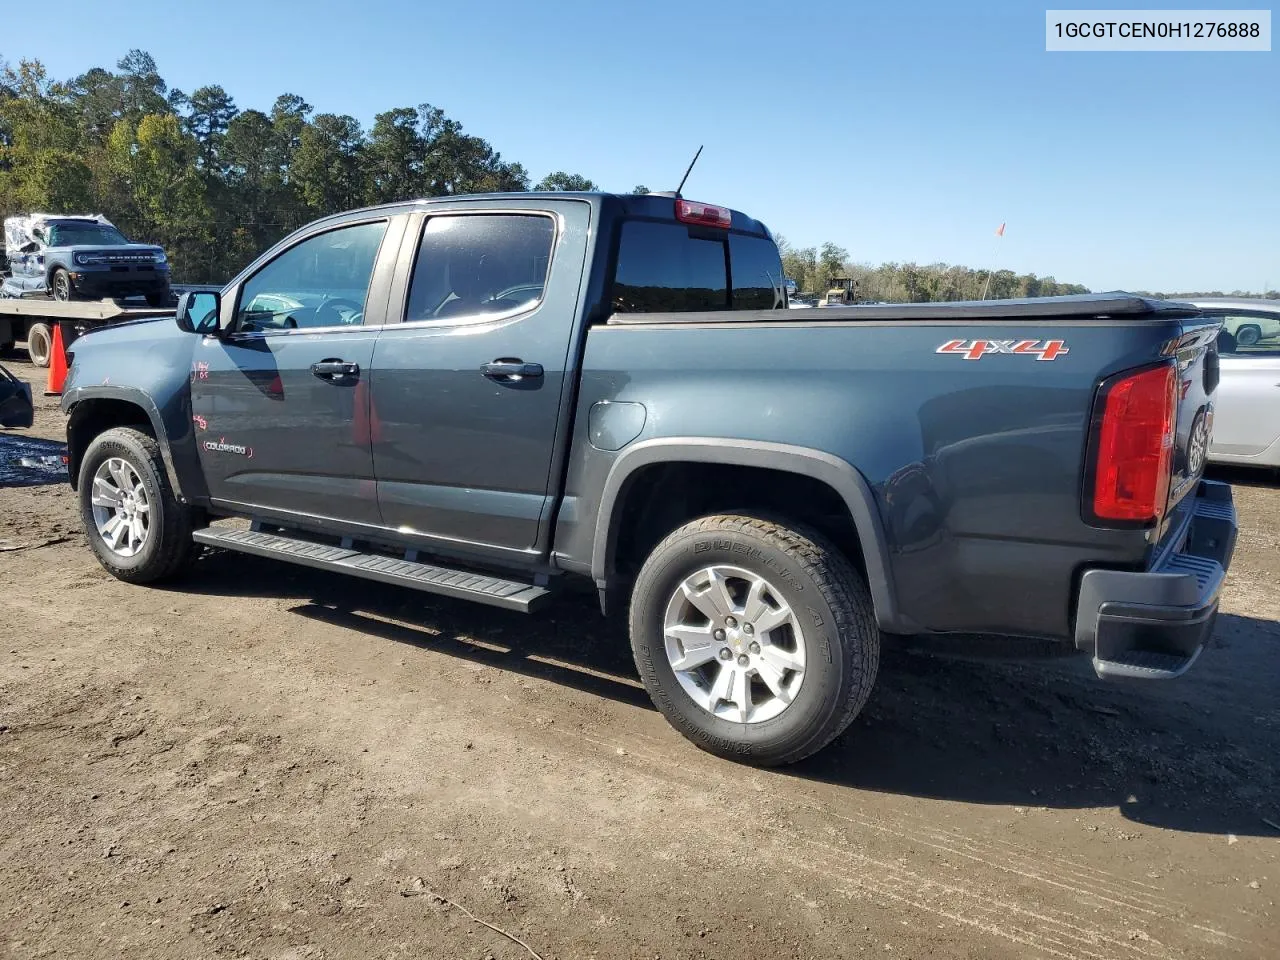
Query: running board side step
x=462, y=584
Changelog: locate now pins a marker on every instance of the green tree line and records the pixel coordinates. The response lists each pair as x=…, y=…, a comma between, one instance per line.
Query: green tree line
x=815, y=268
x=216, y=184
x=213, y=183
x=1201, y=294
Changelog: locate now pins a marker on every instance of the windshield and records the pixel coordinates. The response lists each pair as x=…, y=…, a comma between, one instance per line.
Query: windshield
x=75, y=234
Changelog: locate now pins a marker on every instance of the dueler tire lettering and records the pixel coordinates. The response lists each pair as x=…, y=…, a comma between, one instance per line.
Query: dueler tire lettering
x=842, y=639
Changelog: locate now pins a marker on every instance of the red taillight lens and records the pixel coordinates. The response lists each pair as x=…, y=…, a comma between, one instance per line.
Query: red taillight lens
x=1134, y=447
x=703, y=214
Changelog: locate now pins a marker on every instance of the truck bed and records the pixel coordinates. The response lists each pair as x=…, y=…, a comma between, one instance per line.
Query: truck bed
x=1089, y=306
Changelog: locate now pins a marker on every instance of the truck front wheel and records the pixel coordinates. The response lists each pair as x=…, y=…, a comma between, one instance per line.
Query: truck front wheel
x=60, y=285
x=757, y=641
x=39, y=343
x=137, y=528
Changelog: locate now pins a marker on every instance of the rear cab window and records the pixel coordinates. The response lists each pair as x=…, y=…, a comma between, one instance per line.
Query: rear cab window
x=669, y=267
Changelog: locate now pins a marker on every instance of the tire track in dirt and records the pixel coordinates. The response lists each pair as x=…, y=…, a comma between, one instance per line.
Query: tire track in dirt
x=252, y=652
x=1039, y=929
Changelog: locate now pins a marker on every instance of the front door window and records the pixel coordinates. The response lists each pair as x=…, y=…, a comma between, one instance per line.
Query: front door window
x=321, y=282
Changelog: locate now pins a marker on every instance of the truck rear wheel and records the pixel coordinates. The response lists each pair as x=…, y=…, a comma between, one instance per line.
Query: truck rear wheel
x=39, y=343
x=757, y=641
x=137, y=528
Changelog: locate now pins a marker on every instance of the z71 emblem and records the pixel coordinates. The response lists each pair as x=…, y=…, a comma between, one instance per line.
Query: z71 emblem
x=977, y=349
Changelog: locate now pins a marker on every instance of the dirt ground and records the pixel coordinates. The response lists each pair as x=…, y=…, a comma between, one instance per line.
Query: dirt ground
x=266, y=761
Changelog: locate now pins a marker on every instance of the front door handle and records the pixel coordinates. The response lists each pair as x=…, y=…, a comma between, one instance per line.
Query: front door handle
x=507, y=370
x=336, y=371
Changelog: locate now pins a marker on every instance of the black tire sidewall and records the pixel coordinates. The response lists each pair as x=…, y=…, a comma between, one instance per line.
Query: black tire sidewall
x=820, y=693
x=120, y=443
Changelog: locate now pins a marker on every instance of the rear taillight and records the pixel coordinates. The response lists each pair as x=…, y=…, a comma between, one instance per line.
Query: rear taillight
x=1133, y=430
x=703, y=214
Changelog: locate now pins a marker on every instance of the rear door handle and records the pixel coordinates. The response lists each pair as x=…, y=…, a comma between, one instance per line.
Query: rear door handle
x=507, y=370
x=336, y=371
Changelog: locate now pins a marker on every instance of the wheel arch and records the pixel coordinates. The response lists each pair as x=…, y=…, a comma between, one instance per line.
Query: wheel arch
x=831, y=472
x=92, y=411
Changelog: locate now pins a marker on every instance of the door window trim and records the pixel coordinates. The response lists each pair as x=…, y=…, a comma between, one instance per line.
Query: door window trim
x=337, y=328
x=401, y=319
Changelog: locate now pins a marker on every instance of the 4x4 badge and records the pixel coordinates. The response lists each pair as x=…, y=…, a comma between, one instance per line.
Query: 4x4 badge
x=977, y=349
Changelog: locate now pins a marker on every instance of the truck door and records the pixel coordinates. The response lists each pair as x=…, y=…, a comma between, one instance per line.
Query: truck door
x=468, y=390
x=281, y=401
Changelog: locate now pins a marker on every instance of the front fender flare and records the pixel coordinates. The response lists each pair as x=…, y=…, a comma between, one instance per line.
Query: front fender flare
x=836, y=473
x=77, y=395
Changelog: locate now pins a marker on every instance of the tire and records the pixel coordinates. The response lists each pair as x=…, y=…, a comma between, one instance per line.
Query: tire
x=167, y=547
x=1197, y=456
x=160, y=298
x=1248, y=335
x=39, y=343
x=60, y=287
x=828, y=601
x=6, y=348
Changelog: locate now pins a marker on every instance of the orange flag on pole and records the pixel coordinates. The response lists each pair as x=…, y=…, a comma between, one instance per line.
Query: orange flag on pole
x=1000, y=230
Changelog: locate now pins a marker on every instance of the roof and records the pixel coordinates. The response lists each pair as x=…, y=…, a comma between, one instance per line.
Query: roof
x=631, y=204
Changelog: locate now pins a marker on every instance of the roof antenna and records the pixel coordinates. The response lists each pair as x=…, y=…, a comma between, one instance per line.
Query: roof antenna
x=689, y=171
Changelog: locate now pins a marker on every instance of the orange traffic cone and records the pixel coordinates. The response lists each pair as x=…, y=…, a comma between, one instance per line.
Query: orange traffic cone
x=57, y=363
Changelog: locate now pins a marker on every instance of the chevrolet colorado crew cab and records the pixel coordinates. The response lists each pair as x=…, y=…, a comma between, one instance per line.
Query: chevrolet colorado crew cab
x=484, y=397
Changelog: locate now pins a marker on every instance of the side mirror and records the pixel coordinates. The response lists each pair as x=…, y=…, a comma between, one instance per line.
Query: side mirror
x=198, y=312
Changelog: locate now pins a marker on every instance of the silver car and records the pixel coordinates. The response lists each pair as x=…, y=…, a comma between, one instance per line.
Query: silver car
x=1246, y=422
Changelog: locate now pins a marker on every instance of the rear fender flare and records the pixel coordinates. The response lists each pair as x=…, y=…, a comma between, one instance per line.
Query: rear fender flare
x=838, y=474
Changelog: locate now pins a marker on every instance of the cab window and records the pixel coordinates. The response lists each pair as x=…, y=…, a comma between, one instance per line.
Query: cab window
x=479, y=265
x=676, y=268
x=321, y=282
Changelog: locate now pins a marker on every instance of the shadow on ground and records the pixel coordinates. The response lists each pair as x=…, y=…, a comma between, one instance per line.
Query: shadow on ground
x=1191, y=755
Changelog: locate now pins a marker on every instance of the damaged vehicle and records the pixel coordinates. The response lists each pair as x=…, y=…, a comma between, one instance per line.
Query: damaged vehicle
x=81, y=258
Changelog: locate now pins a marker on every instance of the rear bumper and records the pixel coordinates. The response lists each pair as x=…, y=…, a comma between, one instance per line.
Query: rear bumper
x=1153, y=624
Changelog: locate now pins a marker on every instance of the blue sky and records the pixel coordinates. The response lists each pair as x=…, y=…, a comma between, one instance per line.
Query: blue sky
x=901, y=131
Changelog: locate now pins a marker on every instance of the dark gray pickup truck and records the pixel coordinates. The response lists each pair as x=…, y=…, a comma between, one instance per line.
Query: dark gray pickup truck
x=482, y=397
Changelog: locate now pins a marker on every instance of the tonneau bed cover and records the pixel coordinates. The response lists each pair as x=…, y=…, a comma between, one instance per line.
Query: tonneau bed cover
x=1088, y=306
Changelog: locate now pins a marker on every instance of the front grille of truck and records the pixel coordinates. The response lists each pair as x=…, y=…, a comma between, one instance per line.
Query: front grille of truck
x=127, y=258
